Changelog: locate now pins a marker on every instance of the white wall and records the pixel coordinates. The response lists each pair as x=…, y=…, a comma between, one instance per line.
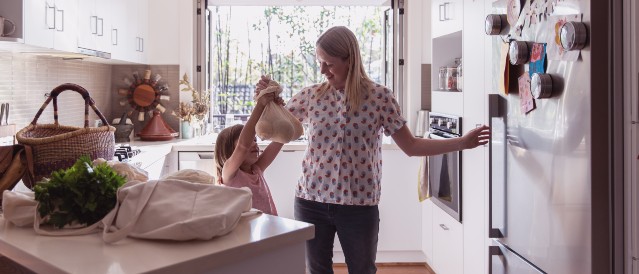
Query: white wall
x=413, y=56
x=164, y=30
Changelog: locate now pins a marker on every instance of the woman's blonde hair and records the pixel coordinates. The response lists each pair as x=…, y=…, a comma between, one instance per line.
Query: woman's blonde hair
x=224, y=147
x=341, y=42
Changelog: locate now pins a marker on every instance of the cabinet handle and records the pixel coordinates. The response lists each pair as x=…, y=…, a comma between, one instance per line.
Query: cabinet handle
x=496, y=107
x=94, y=25
x=137, y=43
x=49, y=13
x=61, y=12
x=100, y=27
x=440, y=13
x=141, y=44
x=114, y=37
x=493, y=251
x=446, y=11
x=444, y=227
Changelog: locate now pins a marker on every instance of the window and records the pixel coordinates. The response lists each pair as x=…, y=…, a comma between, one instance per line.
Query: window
x=244, y=42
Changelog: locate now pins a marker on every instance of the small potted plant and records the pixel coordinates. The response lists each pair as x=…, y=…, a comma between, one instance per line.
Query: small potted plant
x=194, y=113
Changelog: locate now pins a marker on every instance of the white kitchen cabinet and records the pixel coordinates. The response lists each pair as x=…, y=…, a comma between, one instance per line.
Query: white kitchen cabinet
x=448, y=243
x=427, y=233
x=282, y=176
x=399, y=208
x=94, y=23
x=200, y=160
x=118, y=27
x=39, y=22
x=141, y=35
x=66, y=25
x=51, y=24
x=446, y=17
x=477, y=48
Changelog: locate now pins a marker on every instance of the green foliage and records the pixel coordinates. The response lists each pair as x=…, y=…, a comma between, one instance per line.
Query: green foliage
x=82, y=193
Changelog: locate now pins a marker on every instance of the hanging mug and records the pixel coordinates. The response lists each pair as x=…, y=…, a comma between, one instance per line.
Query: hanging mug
x=4, y=21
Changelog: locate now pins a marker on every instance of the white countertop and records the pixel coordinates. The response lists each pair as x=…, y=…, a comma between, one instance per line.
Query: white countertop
x=207, y=143
x=89, y=254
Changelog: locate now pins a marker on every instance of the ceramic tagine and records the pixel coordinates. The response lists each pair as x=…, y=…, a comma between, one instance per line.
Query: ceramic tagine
x=157, y=129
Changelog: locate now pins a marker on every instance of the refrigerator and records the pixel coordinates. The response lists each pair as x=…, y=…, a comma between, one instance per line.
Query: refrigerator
x=540, y=199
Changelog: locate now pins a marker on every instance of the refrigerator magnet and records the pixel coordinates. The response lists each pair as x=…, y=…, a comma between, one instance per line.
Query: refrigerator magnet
x=541, y=85
x=555, y=48
x=519, y=53
x=537, y=59
x=573, y=35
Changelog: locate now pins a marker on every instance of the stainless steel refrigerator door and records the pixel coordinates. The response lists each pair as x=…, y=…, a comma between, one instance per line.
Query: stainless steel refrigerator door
x=546, y=201
x=504, y=261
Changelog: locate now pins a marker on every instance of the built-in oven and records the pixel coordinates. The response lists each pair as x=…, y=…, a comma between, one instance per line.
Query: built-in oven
x=444, y=170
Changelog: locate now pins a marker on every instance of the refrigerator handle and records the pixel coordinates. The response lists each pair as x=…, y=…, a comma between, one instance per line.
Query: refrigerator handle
x=494, y=111
x=492, y=251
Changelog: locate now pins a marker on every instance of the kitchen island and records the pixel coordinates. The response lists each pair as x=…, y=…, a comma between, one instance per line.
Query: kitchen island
x=259, y=244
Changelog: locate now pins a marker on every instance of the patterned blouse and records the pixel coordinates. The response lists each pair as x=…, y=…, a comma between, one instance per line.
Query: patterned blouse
x=343, y=163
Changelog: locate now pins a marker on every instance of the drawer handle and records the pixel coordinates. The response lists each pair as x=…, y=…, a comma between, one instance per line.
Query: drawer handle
x=444, y=227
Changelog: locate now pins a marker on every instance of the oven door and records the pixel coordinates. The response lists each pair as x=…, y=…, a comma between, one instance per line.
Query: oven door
x=444, y=177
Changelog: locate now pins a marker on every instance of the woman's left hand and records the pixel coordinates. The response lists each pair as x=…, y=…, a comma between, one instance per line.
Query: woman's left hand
x=476, y=137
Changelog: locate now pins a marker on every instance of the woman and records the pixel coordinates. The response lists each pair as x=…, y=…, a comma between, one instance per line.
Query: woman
x=339, y=188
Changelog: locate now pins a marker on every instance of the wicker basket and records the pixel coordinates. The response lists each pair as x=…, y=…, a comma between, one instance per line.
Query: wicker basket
x=56, y=146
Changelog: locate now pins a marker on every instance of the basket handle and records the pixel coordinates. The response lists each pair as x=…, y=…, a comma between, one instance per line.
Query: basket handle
x=88, y=101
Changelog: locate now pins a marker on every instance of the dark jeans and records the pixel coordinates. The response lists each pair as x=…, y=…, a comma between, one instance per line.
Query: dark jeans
x=356, y=226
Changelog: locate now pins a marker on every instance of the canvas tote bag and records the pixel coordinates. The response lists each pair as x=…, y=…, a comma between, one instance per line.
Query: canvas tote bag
x=172, y=209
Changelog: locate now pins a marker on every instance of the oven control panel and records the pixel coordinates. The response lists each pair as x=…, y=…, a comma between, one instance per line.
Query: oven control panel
x=444, y=124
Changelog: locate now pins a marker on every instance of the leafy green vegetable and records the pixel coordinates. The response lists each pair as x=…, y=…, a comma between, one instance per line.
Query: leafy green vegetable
x=82, y=193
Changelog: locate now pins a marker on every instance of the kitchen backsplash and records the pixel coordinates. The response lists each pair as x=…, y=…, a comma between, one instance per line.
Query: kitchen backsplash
x=26, y=78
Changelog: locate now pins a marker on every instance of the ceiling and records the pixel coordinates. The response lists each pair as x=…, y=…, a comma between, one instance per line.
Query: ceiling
x=299, y=2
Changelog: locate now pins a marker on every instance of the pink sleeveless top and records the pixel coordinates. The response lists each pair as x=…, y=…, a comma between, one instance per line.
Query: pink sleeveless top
x=262, y=198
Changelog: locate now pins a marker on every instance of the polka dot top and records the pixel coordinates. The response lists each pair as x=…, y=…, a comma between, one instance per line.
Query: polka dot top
x=342, y=163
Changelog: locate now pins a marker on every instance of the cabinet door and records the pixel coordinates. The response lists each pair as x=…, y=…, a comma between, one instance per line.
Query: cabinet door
x=447, y=243
x=39, y=20
x=427, y=235
x=103, y=35
x=399, y=207
x=200, y=160
x=87, y=24
x=447, y=17
x=282, y=176
x=66, y=25
x=142, y=33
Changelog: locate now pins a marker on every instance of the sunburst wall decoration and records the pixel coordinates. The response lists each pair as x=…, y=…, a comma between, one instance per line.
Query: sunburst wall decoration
x=144, y=94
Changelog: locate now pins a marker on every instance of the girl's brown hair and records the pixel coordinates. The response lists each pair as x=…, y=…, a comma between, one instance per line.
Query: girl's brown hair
x=224, y=147
x=341, y=42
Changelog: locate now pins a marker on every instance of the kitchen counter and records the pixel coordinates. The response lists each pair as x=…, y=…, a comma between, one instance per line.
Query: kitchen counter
x=259, y=244
x=207, y=143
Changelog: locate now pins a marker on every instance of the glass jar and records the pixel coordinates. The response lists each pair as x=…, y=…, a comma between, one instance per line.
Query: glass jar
x=451, y=79
x=442, y=78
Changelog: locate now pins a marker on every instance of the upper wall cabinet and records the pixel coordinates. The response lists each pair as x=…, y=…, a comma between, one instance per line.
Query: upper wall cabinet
x=94, y=19
x=104, y=28
x=50, y=24
x=447, y=17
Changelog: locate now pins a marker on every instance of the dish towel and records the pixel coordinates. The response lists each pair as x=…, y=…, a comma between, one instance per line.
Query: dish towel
x=423, y=190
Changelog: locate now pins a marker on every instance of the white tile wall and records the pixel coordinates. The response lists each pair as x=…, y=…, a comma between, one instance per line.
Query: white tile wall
x=25, y=78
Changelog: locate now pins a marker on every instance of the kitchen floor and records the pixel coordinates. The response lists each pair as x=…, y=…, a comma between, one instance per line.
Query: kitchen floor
x=391, y=269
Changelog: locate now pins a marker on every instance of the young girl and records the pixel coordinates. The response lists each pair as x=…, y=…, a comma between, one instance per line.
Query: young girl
x=238, y=159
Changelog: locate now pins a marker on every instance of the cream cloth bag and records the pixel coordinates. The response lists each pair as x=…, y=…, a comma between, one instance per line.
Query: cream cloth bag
x=277, y=123
x=172, y=209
